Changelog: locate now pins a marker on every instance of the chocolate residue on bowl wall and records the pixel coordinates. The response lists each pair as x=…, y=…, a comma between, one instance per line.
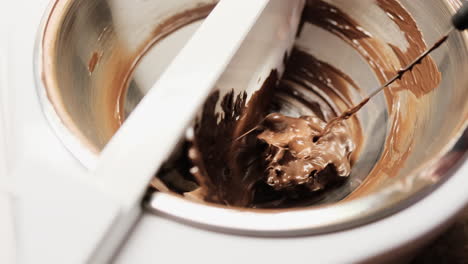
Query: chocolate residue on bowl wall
x=93, y=62
x=165, y=28
x=124, y=64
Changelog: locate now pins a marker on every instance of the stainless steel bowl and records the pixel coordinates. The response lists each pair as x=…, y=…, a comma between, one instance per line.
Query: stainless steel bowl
x=88, y=52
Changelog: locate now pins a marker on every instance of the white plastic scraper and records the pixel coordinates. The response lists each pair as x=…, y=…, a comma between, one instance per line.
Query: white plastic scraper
x=134, y=154
x=148, y=136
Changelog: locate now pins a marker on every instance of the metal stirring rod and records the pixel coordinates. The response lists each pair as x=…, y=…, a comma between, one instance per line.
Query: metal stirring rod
x=459, y=22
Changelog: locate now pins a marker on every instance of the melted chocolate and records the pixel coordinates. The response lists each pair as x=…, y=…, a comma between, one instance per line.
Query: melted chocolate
x=240, y=169
x=241, y=158
x=226, y=168
x=297, y=154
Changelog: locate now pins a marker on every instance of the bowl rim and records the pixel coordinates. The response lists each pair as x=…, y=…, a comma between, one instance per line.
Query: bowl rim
x=280, y=222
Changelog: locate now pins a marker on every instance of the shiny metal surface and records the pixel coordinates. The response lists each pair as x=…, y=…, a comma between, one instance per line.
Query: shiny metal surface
x=77, y=99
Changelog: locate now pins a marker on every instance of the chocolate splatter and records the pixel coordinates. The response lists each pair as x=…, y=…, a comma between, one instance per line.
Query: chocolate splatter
x=93, y=62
